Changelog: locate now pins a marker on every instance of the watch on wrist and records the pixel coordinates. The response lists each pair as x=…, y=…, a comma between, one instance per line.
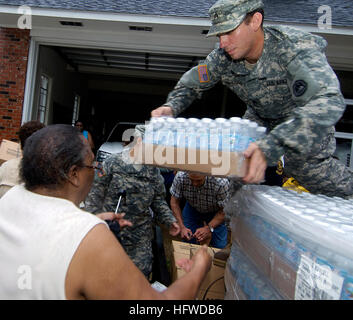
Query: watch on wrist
x=211, y=228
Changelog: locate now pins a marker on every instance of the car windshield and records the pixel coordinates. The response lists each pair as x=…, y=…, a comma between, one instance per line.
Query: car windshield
x=122, y=132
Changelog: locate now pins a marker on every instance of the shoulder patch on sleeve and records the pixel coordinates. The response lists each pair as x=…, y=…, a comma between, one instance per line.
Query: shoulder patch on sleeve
x=203, y=73
x=304, y=84
x=299, y=87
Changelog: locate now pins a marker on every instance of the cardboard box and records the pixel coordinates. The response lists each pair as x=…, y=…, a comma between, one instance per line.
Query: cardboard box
x=214, y=280
x=210, y=295
x=282, y=275
x=210, y=162
x=9, y=150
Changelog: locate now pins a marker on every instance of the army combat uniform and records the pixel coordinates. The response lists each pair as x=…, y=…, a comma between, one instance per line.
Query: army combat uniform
x=294, y=93
x=144, y=187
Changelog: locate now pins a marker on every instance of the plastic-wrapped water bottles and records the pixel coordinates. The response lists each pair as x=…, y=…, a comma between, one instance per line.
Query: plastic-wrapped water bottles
x=220, y=134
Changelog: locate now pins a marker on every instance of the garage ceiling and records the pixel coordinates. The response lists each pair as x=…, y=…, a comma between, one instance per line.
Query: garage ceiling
x=81, y=57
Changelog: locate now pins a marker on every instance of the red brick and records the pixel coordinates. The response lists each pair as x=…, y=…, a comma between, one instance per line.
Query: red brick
x=13, y=64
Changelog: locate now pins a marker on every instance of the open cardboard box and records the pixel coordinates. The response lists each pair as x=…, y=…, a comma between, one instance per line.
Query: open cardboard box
x=212, y=288
x=209, y=162
x=9, y=150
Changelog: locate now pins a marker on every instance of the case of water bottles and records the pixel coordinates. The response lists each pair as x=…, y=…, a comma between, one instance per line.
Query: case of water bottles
x=301, y=244
x=212, y=146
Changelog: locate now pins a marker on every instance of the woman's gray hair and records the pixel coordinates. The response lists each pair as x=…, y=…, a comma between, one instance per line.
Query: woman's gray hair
x=49, y=154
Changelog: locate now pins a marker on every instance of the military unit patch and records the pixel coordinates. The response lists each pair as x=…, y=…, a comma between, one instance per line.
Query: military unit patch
x=299, y=88
x=203, y=74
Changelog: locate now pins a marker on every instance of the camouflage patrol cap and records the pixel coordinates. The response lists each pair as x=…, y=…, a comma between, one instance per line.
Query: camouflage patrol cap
x=226, y=15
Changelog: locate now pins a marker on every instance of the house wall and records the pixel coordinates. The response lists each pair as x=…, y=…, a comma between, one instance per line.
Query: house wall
x=14, y=45
x=63, y=84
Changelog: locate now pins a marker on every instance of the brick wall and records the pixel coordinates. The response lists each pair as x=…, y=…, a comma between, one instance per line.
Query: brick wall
x=14, y=45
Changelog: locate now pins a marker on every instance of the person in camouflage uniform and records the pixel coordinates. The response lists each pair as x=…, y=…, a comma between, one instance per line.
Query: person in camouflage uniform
x=283, y=76
x=144, y=187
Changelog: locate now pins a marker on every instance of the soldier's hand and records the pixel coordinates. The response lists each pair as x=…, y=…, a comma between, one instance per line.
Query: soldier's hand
x=257, y=164
x=162, y=111
x=174, y=229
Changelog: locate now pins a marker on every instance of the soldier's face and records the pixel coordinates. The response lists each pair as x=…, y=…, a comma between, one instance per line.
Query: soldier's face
x=240, y=42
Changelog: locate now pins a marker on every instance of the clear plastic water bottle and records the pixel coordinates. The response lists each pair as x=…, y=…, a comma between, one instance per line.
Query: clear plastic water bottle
x=205, y=133
x=191, y=133
x=157, y=126
x=148, y=137
x=226, y=136
x=206, y=121
x=181, y=132
x=213, y=139
x=243, y=136
x=260, y=133
x=163, y=132
x=171, y=135
x=199, y=132
x=235, y=133
x=252, y=131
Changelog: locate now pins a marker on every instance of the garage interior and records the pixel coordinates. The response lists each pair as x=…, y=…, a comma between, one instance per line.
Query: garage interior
x=119, y=86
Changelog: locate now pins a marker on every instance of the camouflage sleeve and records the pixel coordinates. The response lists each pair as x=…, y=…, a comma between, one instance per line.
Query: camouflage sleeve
x=252, y=116
x=315, y=90
x=192, y=84
x=163, y=213
x=95, y=199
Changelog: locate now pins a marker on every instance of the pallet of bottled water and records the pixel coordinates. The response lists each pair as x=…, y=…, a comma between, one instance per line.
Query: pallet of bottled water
x=302, y=243
x=211, y=146
x=244, y=281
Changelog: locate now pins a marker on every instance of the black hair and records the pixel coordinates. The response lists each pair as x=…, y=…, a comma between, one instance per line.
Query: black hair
x=27, y=129
x=249, y=15
x=50, y=153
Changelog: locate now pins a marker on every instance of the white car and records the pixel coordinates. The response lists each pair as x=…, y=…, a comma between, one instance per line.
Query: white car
x=121, y=133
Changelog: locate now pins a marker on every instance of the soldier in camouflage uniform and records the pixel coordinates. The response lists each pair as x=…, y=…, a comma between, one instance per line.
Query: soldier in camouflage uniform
x=145, y=189
x=283, y=76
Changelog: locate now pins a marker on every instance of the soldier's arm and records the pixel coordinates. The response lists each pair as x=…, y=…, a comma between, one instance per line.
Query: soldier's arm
x=320, y=104
x=195, y=81
x=95, y=199
x=159, y=204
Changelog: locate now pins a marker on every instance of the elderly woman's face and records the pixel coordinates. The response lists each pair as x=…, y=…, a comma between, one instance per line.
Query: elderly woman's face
x=87, y=171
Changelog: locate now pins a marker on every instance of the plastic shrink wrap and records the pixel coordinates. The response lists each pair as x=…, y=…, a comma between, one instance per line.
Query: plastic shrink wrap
x=301, y=243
